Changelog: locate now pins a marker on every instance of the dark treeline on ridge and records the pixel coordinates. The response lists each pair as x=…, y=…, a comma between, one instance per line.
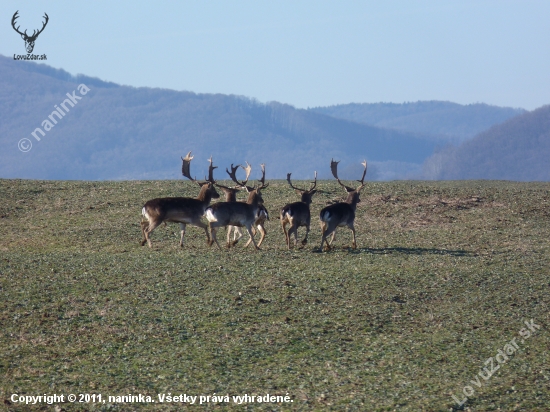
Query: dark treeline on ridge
x=518, y=149
x=122, y=132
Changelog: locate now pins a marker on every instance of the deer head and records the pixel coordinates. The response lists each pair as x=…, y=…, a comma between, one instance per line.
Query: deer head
x=29, y=40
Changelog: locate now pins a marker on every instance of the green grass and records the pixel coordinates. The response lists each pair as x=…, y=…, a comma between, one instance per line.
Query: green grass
x=444, y=276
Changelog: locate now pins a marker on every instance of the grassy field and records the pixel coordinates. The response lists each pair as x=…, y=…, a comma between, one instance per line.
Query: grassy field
x=445, y=275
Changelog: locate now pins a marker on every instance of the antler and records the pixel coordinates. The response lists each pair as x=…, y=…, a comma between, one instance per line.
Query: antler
x=233, y=173
x=43, y=26
x=15, y=16
x=334, y=170
x=363, y=177
x=211, y=172
x=314, y=183
x=185, y=170
x=185, y=167
x=34, y=33
x=290, y=183
x=262, y=180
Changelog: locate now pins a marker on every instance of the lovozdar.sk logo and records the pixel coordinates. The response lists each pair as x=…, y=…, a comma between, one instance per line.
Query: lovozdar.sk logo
x=29, y=40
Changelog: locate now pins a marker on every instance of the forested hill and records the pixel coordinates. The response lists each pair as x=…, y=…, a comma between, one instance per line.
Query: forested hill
x=444, y=121
x=120, y=132
x=518, y=149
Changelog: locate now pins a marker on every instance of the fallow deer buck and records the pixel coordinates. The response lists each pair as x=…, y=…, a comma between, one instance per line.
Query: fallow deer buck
x=262, y=214
x=237, y=213
x=231, y=196
x=342, y=213
x=182, y=210
x=297, y=214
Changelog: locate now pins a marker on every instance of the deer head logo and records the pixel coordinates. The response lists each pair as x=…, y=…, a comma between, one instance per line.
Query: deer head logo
x=29, y=40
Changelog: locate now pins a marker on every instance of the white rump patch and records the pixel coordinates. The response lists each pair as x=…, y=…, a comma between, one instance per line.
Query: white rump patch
x=326, y=216
x=144, y=213
x=210, y=216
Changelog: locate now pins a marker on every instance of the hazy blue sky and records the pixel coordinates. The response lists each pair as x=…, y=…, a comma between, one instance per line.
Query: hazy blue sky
x=304, y=53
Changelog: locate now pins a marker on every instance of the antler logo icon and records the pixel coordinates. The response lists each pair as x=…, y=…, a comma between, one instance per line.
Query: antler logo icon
x=29, y=40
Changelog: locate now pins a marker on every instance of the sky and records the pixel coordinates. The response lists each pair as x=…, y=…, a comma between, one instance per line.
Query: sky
x=302, y=53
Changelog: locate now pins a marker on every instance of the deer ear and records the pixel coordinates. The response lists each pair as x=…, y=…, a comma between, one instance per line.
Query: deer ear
x=313, y=192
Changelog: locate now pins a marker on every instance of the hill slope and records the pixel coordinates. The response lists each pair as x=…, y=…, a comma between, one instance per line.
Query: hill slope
x=117, y=132
x=444, y=121
x=518, y=149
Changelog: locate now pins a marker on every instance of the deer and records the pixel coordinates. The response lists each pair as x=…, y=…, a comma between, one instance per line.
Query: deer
x=182, y=210
x=237, y=213
x=297, y=214
x=231, y=196
x=29, y=40
x=262, y=214
x=342, y=213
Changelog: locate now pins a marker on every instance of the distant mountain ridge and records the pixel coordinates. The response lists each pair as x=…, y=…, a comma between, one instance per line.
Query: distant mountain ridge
x=122, y=132
x=442, y=121
x=518, y=149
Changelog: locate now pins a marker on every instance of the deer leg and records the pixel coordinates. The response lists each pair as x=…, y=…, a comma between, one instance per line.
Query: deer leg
x=333, y=236
x=213, y=230
x=295, y=231
x=353, y=233
x=304, y=242
x=323, y=227
x=182, y=227
x=152, y=226
x=262, y=231
x=249, y=229
x=326, y=230
x=229, y=228
x=144, y=225
x=284, y=222
x=238, y=231
x=330, y=230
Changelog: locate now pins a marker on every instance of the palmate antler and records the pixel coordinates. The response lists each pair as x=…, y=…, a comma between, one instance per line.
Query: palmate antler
x=334, y=170
x=233, y=174
x=186, y=170
x=263, y=185
x=248, y=169
x=211, y=172
x=314, y=183
x=185, y=167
